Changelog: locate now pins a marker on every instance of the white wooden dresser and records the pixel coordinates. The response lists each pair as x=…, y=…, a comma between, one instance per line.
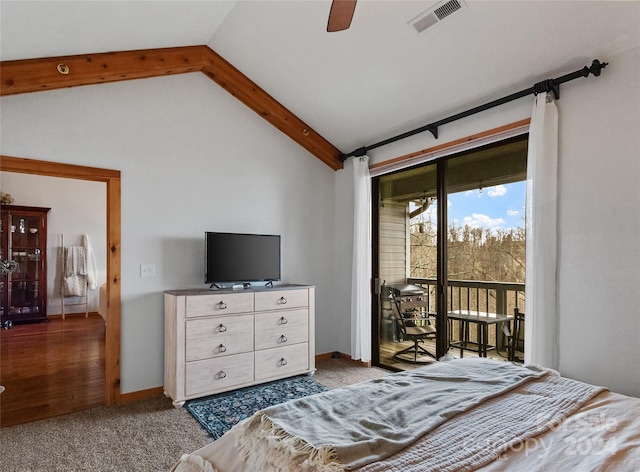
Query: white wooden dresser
x=219, y=340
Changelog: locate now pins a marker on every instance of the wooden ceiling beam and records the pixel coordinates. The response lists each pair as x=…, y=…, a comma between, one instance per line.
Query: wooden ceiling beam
x=249, y=93
x=36, y=75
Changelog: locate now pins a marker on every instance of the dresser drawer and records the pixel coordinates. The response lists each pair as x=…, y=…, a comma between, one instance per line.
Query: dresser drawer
x=218, y=374
x=279, y=299
x=218, y=336
x=279, y=362
x=219, y=304
x=280, y=328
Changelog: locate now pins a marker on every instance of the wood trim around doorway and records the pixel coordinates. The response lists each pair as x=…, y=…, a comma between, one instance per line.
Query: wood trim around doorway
x=112, y=180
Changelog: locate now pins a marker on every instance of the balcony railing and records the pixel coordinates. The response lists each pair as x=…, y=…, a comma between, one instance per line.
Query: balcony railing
x=478, y=297
x=475, y=296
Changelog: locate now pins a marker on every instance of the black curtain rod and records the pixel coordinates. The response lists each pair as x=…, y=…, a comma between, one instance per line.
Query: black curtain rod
x=549, y=85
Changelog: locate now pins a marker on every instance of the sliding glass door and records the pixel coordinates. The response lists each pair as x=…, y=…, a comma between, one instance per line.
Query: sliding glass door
x=405, y=219
x=485, y=247
x=434, y=260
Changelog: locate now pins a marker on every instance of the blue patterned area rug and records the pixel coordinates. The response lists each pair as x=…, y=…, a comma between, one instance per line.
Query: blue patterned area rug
x=218, y=413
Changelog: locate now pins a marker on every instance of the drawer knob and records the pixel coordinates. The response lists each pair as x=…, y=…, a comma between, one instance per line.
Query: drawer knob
x=282, y=320
x=222, y=328
x=283, y=339
x=282, y=301
x=282, y=362
x=222, y=306
x=221, y=375
x=221, y=348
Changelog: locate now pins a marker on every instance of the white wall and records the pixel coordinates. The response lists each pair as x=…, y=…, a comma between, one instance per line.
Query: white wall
x=599, y=218
x=77, y=207
x=192, y=158
x=599, y=215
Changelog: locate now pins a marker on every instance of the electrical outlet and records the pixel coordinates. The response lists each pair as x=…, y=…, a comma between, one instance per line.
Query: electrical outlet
x=147, y=270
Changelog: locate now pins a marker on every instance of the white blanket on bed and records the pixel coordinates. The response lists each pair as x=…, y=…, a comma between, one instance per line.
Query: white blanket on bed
x=506, y=424
x=352, y=427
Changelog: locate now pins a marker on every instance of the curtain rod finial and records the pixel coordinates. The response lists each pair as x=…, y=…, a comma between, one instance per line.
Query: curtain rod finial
x=597, y=66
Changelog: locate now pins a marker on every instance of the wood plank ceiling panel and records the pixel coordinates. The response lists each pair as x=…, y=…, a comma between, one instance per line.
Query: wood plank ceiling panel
x=36, y=75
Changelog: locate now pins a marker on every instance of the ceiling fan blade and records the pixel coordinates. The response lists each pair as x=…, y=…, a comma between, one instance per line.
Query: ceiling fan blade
x=340, y=15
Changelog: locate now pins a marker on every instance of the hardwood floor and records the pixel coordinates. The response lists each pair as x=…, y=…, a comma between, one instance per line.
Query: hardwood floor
x=51, y=368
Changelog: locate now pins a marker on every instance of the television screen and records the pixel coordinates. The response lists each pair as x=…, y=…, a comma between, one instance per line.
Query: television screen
x=234, y=257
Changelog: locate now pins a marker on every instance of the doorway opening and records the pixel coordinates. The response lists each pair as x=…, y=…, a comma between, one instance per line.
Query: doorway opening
x=113, y=238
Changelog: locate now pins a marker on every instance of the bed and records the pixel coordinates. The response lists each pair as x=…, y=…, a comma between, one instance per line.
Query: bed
x=463, y=414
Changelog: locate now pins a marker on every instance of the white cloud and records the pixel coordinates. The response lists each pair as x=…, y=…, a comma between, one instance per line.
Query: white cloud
x=513, y=212
x=497, y=191
x=478, y=220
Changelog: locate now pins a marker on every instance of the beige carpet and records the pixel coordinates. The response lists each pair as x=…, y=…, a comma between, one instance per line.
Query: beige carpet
x=148, y=435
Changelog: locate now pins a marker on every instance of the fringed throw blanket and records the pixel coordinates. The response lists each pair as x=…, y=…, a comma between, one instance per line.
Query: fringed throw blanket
x=505, y=424
x=359, y=425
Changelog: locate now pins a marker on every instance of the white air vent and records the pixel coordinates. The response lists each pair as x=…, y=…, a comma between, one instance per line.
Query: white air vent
x=436, y=14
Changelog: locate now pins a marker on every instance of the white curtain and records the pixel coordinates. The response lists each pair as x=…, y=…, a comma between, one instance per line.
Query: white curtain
x=541, y=326
x=92, y=268
x=361, y=267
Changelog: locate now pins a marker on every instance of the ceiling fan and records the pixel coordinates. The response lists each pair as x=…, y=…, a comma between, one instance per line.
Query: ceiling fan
x=340, y=15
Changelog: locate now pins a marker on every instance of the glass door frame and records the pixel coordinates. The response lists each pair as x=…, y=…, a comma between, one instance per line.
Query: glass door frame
x=442, y=322
x=442, y=257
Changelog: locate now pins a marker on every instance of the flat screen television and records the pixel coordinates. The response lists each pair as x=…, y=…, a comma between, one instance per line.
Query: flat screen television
x=241, y=258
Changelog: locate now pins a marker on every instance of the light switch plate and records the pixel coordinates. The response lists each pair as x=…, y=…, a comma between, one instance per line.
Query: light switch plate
x=147, y=270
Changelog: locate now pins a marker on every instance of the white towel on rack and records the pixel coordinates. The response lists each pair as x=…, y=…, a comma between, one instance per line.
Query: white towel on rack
x=75, y=272
x=75, y=285
x=75, y=262
x=91, y=267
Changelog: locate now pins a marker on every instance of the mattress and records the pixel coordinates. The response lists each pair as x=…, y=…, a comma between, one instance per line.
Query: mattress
x=510, y=428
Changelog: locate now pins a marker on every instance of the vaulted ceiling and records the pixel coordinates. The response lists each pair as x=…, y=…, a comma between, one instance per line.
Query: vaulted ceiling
x=347, y=89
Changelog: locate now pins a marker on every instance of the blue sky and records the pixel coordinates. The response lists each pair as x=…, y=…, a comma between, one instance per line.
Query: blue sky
x=499, y=207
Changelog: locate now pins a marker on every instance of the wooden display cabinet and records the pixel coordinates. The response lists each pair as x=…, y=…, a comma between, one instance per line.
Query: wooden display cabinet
x=24, y=240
